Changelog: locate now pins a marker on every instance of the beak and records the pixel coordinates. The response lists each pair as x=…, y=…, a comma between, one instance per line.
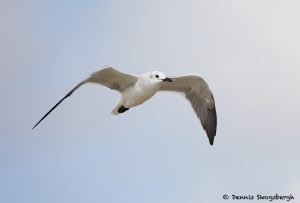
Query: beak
x=167, y=80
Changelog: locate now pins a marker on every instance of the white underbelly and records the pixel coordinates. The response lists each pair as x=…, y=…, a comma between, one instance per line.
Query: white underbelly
x=133, y=97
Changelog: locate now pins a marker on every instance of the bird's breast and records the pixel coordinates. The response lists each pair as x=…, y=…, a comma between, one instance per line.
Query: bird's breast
x=137, y=95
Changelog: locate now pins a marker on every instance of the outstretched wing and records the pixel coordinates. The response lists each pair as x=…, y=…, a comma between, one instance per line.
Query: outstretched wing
x=201, y=98
x=108, y=77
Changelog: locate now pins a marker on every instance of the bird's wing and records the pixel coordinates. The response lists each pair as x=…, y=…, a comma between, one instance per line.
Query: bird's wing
x=108, y=77
x=112, y=79
x=201, y=98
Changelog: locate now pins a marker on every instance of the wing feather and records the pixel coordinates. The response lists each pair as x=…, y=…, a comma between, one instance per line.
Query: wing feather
x=112, y=79
x=108, y=77
x=201, y=98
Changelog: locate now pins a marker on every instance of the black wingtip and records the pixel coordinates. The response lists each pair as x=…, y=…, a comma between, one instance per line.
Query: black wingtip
x=34, y=126
x=41, y=120
x=211, y=128
x=211, y=141
x=67, y=95
x=55, y=106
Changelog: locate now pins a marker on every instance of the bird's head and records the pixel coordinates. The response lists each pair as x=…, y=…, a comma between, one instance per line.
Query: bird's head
x=157, y=76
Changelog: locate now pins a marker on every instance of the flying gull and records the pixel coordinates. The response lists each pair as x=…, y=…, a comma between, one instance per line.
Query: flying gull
x=135, y=90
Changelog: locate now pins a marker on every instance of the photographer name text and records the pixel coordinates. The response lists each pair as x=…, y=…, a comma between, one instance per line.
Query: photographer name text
x=269, y=198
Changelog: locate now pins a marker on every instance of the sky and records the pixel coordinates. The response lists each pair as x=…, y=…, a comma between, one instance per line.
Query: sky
x=246, y=50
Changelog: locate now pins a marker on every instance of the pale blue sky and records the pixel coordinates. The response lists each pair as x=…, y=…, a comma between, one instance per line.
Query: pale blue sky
x=247, y=51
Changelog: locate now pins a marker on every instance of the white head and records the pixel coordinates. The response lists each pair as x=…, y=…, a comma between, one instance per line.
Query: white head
x=157, y=77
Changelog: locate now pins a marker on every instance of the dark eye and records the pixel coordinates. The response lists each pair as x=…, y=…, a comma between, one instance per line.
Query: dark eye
x=156, y=76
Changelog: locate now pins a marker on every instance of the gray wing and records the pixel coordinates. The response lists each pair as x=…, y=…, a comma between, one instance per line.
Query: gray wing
x=108, y=77
x=201, y=98
x=112, y=79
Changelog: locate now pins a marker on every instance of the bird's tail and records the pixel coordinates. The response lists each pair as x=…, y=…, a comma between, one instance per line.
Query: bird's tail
x=115, y=110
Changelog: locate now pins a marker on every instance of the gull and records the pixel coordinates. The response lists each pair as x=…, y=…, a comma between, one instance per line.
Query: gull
x=135, y=90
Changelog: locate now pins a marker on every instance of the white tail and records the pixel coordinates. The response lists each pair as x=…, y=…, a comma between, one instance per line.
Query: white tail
x=115, y=110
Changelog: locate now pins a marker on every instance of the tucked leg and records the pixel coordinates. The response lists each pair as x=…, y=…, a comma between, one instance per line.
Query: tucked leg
x=122, y=109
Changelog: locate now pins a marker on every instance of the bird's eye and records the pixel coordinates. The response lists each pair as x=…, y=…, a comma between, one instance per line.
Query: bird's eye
x=156, y=76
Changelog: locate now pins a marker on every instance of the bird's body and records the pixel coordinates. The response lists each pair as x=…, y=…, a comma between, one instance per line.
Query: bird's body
x=137, y=93
x=135, y=90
